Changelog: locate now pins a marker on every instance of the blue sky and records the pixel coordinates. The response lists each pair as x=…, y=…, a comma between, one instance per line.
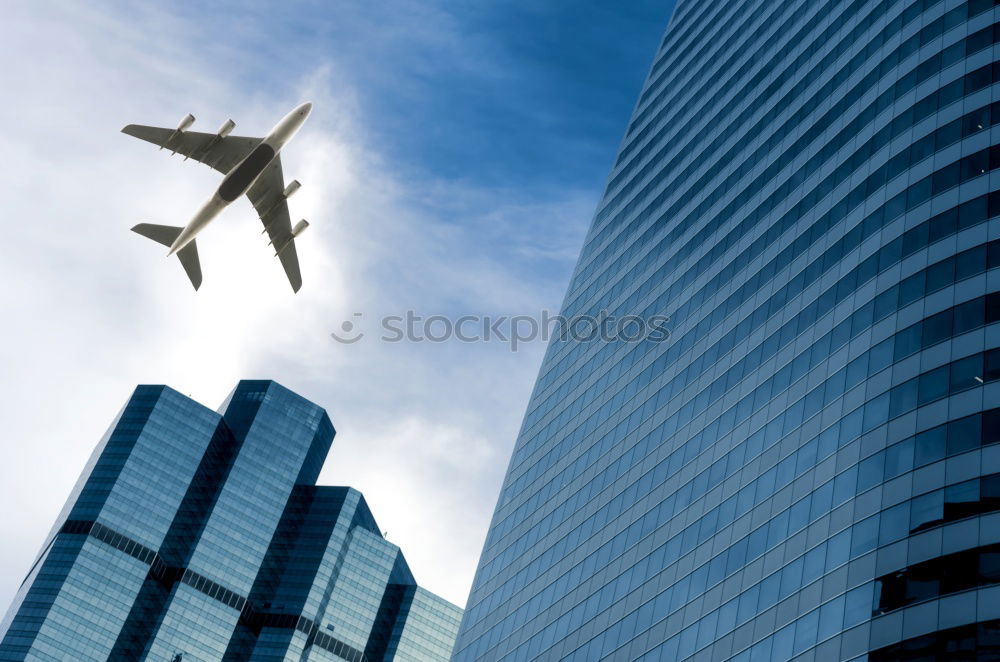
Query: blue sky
x=452, y=164
x=519, y=93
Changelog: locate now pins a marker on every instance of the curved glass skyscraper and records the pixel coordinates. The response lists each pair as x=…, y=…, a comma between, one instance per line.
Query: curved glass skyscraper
x=809, y=466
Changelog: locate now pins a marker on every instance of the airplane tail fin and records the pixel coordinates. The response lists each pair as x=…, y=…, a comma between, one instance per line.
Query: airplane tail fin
x=166, y=234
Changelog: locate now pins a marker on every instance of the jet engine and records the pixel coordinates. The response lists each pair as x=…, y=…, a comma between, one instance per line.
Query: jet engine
x=185, y=123
x=289, y=191
x=299, y=228
x=226, y=128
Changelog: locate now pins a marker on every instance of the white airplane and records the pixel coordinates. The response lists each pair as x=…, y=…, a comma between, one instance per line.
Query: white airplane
x=251, y=166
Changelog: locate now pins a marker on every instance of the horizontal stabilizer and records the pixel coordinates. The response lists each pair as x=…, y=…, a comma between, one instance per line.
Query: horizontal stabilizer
x=189, y=260
x=161, y=234
x=166, y=235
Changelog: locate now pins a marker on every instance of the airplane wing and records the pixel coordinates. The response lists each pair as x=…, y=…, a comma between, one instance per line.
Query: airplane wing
x=219, y=152
x=267, y=196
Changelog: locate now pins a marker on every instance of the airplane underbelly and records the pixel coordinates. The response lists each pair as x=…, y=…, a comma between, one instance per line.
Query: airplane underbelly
x=242, y=176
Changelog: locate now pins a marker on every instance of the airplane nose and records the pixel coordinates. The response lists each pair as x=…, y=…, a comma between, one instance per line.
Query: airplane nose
x=306, y=108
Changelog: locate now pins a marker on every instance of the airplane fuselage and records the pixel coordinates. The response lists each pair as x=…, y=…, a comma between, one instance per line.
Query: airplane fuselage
x=238, y=180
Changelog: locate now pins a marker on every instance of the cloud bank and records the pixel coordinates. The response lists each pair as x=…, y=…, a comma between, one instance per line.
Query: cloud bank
x=424, y=430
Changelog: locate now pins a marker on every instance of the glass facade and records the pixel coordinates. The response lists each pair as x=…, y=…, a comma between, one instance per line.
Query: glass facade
x=807, y=468
x=195, y=535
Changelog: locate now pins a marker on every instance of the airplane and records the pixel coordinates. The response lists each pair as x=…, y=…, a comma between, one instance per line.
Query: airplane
x=251, y=166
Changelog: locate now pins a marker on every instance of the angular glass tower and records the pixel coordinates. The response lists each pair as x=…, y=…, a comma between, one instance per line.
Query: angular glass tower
x=201, y=536
x=808, y=467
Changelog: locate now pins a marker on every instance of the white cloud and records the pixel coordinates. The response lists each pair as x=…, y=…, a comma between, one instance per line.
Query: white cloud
x=92, y=309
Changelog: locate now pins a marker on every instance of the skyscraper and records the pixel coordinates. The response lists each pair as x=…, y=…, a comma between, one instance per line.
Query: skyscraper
x=808, y=466
x=196, y=535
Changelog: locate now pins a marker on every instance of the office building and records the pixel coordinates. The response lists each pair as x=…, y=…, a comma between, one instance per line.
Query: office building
x=808, y=467
x=195, y=535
